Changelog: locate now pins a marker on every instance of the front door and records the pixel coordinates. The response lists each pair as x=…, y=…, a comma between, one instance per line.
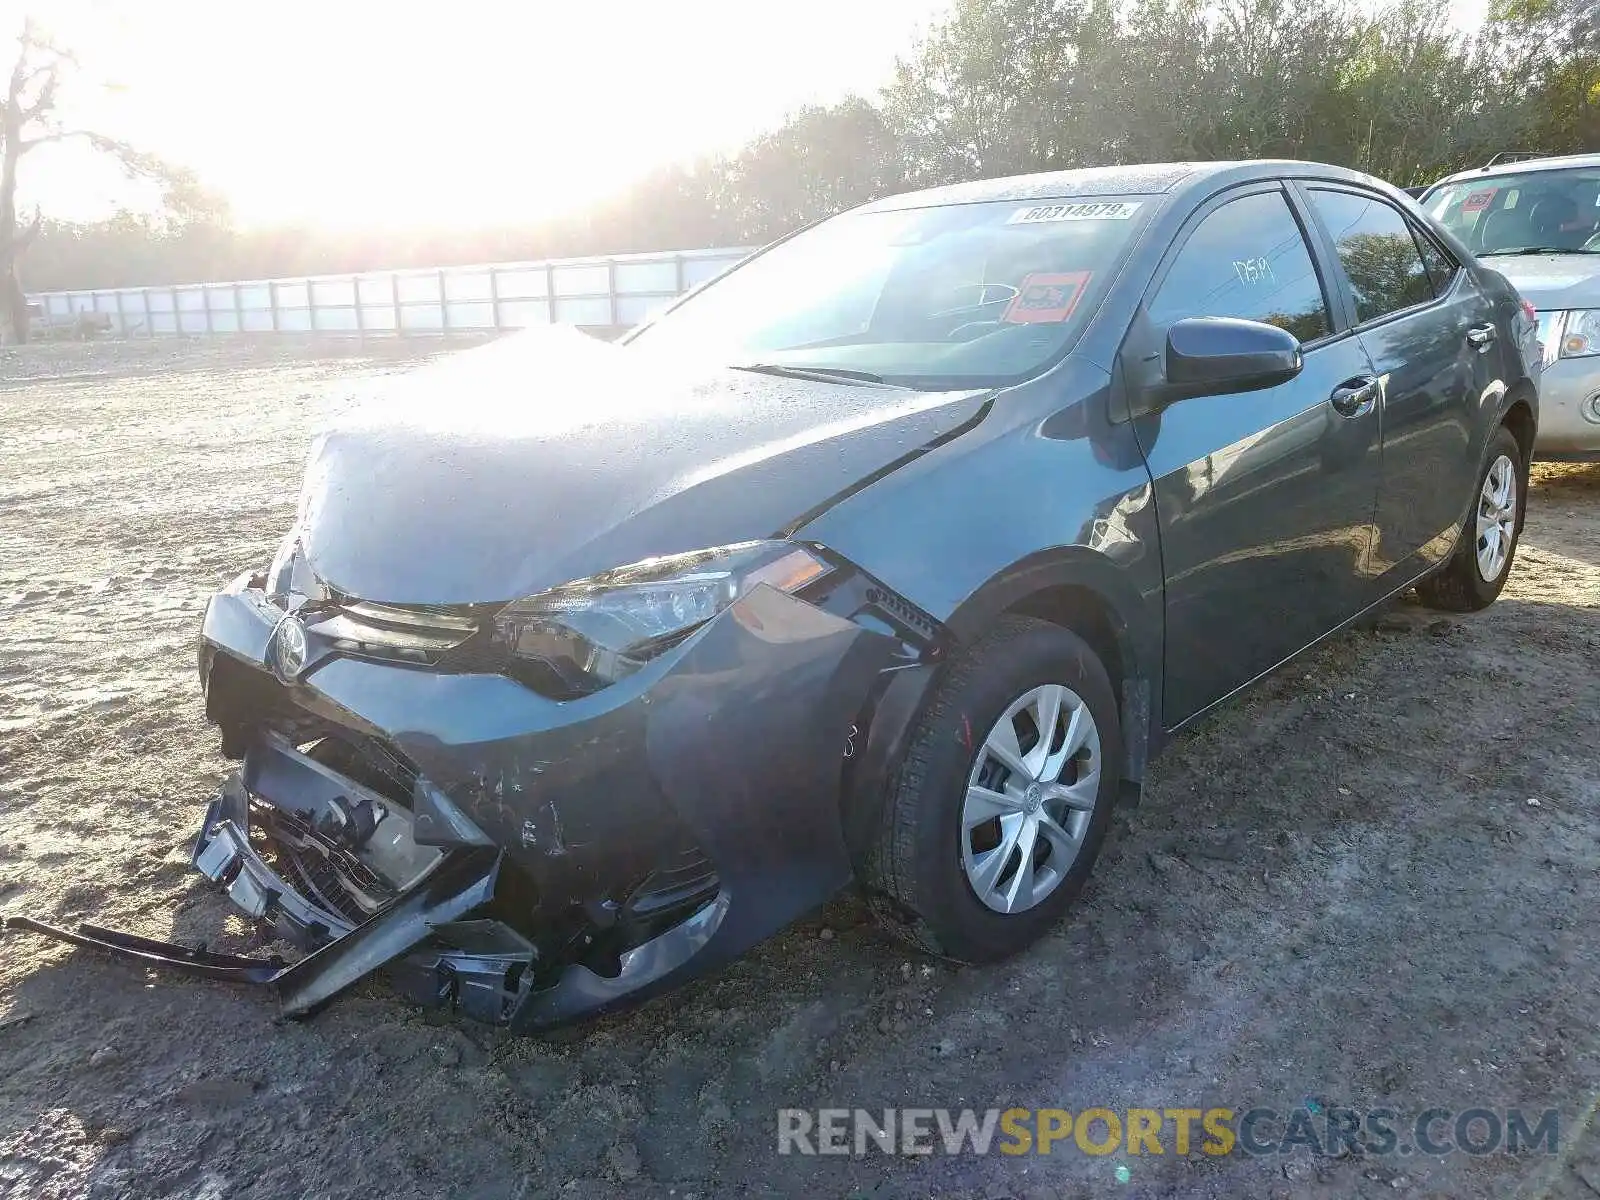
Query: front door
x=1265, y=498
x=1430, y=336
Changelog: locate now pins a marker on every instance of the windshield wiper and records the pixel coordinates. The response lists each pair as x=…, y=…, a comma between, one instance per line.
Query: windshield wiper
x=824, y=374
x=1539, y=250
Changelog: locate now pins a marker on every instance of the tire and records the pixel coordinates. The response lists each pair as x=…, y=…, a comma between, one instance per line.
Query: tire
x=1461, y=584
x=920, y=874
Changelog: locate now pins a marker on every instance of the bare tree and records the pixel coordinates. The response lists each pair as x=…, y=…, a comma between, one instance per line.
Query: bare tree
x=30, y=118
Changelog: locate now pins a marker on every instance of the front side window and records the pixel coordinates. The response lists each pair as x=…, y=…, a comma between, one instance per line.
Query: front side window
x=961, y=295
x=1247, y=259
x=1375, y=247
x=1526, y=212
x=1441, y=267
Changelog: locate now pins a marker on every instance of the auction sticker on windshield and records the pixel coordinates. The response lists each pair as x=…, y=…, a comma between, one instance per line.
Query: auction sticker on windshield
x=1478, y=201
x=1045, y=298
x=1102, y=210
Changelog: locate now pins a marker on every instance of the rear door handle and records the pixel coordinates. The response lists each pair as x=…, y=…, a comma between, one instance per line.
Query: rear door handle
x=1480, y=337
x=1354, y=396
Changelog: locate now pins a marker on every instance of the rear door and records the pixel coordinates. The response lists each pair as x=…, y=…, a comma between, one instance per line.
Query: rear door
x=1430, y=336
x=1265, y=498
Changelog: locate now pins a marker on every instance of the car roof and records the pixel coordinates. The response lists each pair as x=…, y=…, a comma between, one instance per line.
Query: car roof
x=1524, y=166
x=1144, y=179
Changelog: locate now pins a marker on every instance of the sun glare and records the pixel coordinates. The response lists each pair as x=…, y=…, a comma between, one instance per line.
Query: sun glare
x=367, y=114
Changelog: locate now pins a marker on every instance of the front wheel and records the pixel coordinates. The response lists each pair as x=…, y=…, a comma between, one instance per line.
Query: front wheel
x=1477, y=571
x=997, y=813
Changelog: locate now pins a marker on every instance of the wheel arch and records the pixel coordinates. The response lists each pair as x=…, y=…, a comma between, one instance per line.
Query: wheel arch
x=1075, y=587
x=1082, y=590
x=1519, y=418
x=1524, y=426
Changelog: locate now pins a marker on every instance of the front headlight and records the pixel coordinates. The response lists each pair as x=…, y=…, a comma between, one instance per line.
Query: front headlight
x=601, y=629
x=1580, y=336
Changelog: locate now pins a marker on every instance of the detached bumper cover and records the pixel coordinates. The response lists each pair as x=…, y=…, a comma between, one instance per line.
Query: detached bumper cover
x=737, y=737
x=459, y=884
x=230, y=968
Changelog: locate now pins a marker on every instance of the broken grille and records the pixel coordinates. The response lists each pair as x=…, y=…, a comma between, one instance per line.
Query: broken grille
x=323, y=870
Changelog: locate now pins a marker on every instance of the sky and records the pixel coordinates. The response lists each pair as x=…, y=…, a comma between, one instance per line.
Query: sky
x=360, y=113
x=370, y=114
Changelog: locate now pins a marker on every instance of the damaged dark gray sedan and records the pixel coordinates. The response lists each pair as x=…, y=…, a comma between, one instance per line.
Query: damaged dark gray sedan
x=891, y=556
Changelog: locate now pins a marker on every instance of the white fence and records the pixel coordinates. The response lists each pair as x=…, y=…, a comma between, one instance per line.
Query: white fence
x=615, y=291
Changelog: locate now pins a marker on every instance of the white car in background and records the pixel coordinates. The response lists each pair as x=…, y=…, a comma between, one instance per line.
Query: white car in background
x=1537, y=222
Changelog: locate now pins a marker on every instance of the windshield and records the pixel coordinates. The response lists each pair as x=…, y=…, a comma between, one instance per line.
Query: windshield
x=1554, y=211
x=967, y=295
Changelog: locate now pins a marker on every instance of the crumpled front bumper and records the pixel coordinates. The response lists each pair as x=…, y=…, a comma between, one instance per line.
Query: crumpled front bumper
x=545, y=812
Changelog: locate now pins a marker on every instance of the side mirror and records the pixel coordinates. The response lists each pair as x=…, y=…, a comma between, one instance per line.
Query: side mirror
x=1214, y=355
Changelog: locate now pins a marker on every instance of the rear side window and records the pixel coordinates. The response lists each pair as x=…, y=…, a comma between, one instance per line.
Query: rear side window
x=1246, y=259
x=1379, y=256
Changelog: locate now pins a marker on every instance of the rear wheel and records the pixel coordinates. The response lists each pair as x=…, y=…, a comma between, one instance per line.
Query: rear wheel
x=997, y=813
x=1477, y=571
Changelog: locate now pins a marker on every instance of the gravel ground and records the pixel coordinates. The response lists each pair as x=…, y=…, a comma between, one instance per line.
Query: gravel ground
x=1339, y=891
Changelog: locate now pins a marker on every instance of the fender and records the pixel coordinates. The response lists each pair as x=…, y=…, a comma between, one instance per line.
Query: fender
x=1086, y=591
x=1101, y=604
x=958, y=536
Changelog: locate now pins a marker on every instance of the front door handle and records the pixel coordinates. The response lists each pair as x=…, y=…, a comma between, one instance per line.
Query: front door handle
x=1480, y=337
x=1354, y=396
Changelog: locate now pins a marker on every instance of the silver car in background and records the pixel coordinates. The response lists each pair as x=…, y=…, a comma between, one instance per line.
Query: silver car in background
x=1537, y=221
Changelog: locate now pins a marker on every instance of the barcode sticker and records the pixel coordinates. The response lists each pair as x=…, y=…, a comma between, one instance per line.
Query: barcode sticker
x=1102, y=210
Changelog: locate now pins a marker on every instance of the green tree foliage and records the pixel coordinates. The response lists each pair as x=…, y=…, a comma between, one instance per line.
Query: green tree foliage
x=1001, y=87
x=821, y=161
x=1555, y=45
x=996, y=89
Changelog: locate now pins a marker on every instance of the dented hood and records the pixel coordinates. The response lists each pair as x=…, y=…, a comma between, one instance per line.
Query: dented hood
x=548, y=456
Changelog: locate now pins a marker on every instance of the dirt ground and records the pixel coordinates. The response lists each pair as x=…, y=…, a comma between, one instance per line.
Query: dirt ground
x=1371, y=883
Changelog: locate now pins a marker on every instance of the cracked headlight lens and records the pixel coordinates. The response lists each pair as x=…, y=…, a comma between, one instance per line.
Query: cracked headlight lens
x=598, y=630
